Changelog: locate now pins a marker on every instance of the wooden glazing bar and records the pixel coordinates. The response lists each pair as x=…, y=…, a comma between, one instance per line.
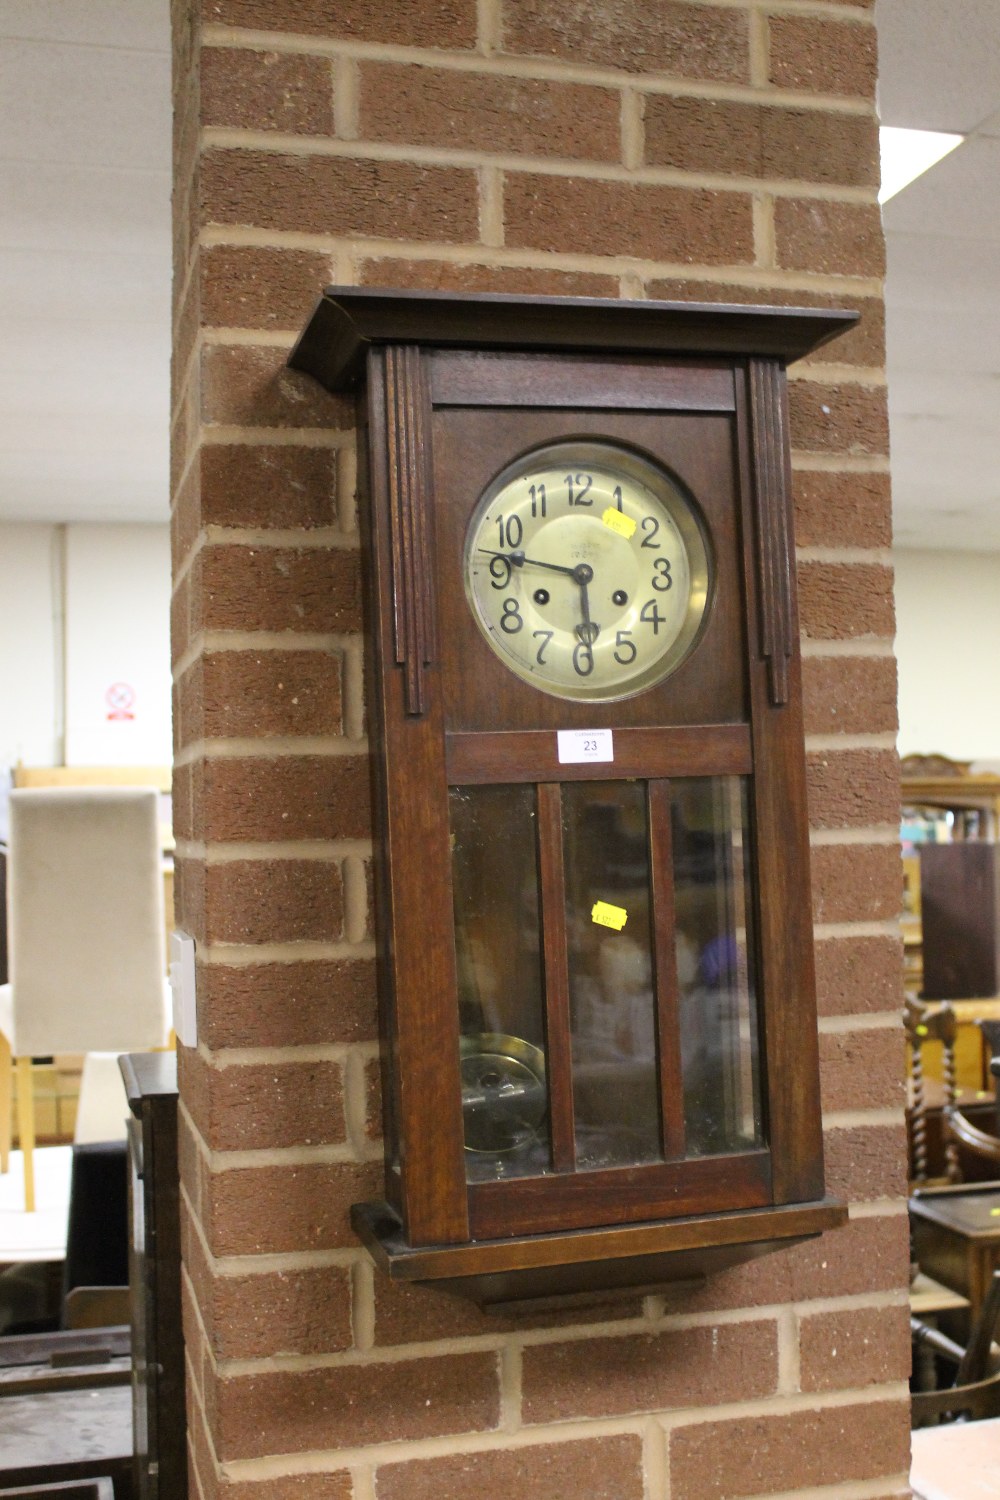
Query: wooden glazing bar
x=619, y=1195
x=668, y=1026
x=533, y=754
x=556, y=968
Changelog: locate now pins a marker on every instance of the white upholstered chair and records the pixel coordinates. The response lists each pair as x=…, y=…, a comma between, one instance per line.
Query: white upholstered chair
x=86, y=937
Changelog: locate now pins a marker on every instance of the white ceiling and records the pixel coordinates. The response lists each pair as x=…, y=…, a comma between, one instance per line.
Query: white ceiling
x=940, y=70
x=85, y=265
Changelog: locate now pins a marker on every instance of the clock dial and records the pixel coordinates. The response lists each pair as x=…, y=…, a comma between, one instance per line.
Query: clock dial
x=587, y=571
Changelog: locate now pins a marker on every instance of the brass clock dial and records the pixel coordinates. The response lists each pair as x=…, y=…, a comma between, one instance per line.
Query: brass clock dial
x=587, y=571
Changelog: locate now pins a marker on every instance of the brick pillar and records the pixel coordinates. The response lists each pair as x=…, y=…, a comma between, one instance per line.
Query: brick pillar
x=664, y=148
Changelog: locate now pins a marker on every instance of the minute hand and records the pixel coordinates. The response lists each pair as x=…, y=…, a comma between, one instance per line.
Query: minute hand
x=518, y=560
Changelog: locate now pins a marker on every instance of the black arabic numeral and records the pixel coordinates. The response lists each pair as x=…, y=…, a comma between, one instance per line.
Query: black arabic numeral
x=548, y=634
x=588, y=658
x=652, y=616
x=577, y=488
x=537, y=493
x=511, y=531
x=662, y=579
x=622, y=643
x=651, y=526
x=510, y=620
x=499, y=572
x=617, y=496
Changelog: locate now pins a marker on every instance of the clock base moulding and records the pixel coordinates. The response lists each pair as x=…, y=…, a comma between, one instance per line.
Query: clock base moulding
x=590, y=1264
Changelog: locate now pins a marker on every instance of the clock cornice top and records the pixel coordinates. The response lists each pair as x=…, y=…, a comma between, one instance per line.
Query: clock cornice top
x=349, y=320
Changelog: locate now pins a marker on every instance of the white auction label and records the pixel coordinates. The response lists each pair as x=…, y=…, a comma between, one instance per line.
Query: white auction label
x=578, y=745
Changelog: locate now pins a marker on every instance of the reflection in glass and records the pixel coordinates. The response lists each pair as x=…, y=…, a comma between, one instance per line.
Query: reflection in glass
x=612, y=1009
x=501, y=1016
x=718, y=1010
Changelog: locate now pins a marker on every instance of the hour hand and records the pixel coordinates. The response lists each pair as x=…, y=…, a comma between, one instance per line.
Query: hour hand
x=519, y=561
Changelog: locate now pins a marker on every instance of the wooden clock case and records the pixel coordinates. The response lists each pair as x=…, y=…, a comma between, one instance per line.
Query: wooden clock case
x=450, y=389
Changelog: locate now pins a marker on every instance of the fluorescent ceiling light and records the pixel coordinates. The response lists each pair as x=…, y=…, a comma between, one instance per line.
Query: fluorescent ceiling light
x=906, y=154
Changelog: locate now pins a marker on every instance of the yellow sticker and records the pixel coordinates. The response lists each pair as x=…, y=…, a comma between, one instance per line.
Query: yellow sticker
x=618, y=521
x=995, y=1213
x=606, y=915
x=921, y=1031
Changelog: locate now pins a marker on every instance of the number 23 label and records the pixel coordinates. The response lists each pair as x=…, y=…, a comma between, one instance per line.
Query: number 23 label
x=578, y=745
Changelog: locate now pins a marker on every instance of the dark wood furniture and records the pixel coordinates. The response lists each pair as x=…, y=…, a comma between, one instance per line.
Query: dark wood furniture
x=508, y=1169
x=155, y=1277
x=956, y=1236
x=922, y=1023
x=973, y=1391
x=65, y=1412
x=960, y=919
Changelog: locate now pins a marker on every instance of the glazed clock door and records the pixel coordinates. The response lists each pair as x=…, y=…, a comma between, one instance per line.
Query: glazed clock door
x=598, y=726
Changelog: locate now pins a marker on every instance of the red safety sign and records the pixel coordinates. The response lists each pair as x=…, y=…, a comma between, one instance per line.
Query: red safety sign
x=120, y=698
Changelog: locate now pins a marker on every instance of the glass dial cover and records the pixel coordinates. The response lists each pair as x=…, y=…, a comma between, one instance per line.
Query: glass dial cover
x=587, y=570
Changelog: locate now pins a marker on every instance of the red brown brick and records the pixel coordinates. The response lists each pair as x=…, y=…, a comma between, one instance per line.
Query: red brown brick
x=279, y=588
x=189, y=896
x=838, y=601
x=247, y=386
x=286, y=1005
x=753, y=140
x=244, y=286
x=262, y=1314
x=255, y=694
x=264, y=1106
x=604, y=1468
x=283, y=1411
x=649, y=1372
x=287, y=797
x=864, y=1256
x=650, y=221
x=407, y=1314
x=866, y=1161
x=858, y=974
x=854, y=1347
x=833, y=239
x=770, y=1454
x=816, y=55
x=862, y=1069
x=446, y=275
x=408, y=23
x=849, y=694
x=339, y=194
x=856, y=883
x=275, y=1210
x=427, y=106
x=249, y=90
x=273, y=901
x=263, y=486
x=853, y=788
x=684, y=41
x=311, y=1486
x=841, y=510
x=839, y=418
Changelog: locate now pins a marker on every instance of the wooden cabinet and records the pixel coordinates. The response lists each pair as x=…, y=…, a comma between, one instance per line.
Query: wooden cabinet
x=158, y=1411
x=596, y=981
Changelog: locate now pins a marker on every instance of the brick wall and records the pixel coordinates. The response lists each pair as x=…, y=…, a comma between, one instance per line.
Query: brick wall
x=621, y=148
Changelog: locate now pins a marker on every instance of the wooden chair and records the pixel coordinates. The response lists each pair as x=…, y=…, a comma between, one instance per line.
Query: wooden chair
x=925, y=1023
x=977, y=1152
x=975, y=1390
x=87, y=959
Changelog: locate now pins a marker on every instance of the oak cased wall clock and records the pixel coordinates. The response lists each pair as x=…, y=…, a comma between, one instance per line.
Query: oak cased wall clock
x=594, y=931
